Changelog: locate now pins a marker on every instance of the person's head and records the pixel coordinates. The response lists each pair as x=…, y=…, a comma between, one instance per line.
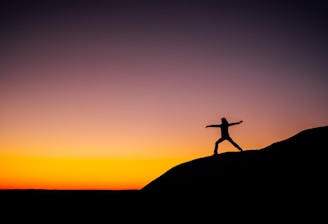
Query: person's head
x=224, y=120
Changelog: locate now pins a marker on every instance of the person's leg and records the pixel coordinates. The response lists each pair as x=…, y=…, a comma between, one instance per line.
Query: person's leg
x=235, y=144
x=217, y=145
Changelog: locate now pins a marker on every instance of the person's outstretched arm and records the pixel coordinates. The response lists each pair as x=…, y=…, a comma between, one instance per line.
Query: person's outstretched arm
x=235, y=123
x=213, y=126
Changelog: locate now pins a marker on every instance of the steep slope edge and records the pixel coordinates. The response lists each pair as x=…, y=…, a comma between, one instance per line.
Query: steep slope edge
x=296, y=163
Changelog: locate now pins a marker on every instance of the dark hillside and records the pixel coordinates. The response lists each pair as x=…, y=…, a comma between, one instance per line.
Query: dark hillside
x=294, y=169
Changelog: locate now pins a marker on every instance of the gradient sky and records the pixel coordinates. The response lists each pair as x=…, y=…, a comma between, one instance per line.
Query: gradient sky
x=111, y=95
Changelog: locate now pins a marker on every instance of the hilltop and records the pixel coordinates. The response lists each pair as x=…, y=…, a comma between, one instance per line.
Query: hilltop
x=292, y=169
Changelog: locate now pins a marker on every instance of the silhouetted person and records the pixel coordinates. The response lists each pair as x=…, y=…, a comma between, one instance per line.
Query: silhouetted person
x=224, y=133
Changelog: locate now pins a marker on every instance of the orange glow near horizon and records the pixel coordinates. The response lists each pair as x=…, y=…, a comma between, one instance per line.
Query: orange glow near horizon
x=50, y=170
x=28, y=172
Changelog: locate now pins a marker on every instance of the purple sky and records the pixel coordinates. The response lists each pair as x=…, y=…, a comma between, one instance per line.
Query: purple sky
x=147, y=70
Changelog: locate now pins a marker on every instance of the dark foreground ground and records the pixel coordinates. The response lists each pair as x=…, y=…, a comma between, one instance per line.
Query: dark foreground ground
x=97, y=206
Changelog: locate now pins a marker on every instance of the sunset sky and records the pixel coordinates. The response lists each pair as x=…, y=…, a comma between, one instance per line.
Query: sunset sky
x=110, y=95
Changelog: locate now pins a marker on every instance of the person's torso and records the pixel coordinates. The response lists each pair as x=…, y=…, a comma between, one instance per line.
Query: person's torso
x=224, y=130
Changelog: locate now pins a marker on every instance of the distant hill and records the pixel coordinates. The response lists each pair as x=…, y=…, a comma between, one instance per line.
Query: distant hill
x=294, y=168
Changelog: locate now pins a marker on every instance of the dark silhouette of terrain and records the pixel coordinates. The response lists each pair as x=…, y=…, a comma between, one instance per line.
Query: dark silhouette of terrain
x=285, y=181
x=294, y=169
